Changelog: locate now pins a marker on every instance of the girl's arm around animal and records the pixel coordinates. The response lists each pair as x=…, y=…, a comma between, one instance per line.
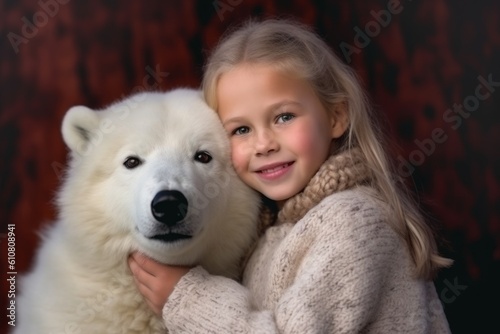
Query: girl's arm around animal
x=326, y=277
x=340, y=270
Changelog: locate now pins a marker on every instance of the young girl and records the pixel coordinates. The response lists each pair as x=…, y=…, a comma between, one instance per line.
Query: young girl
x=343, y=248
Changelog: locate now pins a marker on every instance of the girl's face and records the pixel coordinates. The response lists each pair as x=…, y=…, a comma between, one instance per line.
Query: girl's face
x=280, y=132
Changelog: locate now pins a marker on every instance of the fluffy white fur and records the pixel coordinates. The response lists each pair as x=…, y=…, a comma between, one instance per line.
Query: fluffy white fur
x=80, y=282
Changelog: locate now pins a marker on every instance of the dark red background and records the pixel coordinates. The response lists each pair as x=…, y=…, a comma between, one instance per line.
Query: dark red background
x=426, y=59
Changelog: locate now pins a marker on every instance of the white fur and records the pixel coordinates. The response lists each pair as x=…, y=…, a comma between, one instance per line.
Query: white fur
x=80, y=282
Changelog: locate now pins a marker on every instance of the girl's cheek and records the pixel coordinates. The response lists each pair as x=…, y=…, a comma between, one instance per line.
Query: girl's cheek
x=238, y=157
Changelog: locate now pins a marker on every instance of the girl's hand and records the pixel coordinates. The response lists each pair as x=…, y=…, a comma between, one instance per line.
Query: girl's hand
x=155, y=281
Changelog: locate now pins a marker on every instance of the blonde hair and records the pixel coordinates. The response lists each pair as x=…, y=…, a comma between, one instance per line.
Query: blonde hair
x=290, y=46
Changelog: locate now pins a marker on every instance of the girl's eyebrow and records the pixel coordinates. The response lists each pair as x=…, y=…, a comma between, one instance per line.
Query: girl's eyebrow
x=271, y=107
x=233, y=120
x=280, y=104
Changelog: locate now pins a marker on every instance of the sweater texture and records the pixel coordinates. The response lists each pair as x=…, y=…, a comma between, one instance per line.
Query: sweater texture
x=329, y=264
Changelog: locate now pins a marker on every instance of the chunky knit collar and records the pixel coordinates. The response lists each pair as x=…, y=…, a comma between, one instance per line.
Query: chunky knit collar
x=339, y=172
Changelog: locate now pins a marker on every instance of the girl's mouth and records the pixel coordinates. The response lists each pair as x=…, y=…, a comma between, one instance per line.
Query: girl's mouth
x=275, y=171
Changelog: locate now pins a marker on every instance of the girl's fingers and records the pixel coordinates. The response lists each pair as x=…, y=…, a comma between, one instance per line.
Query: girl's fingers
x=146, y=264
x=141, y=276
x=154, y=280
x=150, y=297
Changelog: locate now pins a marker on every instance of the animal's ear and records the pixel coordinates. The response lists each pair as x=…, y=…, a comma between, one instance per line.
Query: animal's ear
x=78, y=128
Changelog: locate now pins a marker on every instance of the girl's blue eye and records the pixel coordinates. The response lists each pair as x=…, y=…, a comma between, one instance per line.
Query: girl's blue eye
x=285, y=117
x=241, y=130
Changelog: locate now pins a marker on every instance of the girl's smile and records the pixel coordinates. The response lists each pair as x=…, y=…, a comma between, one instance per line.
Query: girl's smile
x=274, y=171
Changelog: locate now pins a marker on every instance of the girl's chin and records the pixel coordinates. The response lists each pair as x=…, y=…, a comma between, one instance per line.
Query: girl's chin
x=280, y=199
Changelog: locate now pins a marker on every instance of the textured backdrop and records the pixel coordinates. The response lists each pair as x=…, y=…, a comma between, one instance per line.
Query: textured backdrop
x=431, y=68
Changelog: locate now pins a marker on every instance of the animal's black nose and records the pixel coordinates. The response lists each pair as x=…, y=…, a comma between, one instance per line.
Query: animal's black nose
x=169, y=207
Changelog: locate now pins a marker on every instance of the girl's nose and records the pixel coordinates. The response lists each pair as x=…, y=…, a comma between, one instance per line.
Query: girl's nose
x=266, y=143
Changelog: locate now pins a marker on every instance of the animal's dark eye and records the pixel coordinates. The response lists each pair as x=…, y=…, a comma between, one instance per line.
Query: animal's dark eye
x=203, y=157
x=132, y=162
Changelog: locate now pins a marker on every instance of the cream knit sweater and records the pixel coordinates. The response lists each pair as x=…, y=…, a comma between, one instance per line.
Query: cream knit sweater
x=339, y=269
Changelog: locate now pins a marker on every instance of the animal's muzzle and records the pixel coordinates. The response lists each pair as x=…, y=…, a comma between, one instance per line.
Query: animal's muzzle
x=169, y=207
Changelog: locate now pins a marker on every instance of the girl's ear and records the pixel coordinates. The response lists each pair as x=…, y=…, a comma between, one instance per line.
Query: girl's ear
x=339, y=118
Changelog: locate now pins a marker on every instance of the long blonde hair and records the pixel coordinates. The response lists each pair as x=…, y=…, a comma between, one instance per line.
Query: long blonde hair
x=290, y=46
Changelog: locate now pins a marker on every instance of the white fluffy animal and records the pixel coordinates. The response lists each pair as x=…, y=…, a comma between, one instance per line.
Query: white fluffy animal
x=150, y=173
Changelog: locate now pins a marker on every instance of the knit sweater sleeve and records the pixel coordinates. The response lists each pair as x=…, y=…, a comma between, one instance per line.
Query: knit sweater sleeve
x=203, y=303
x=340, y=254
